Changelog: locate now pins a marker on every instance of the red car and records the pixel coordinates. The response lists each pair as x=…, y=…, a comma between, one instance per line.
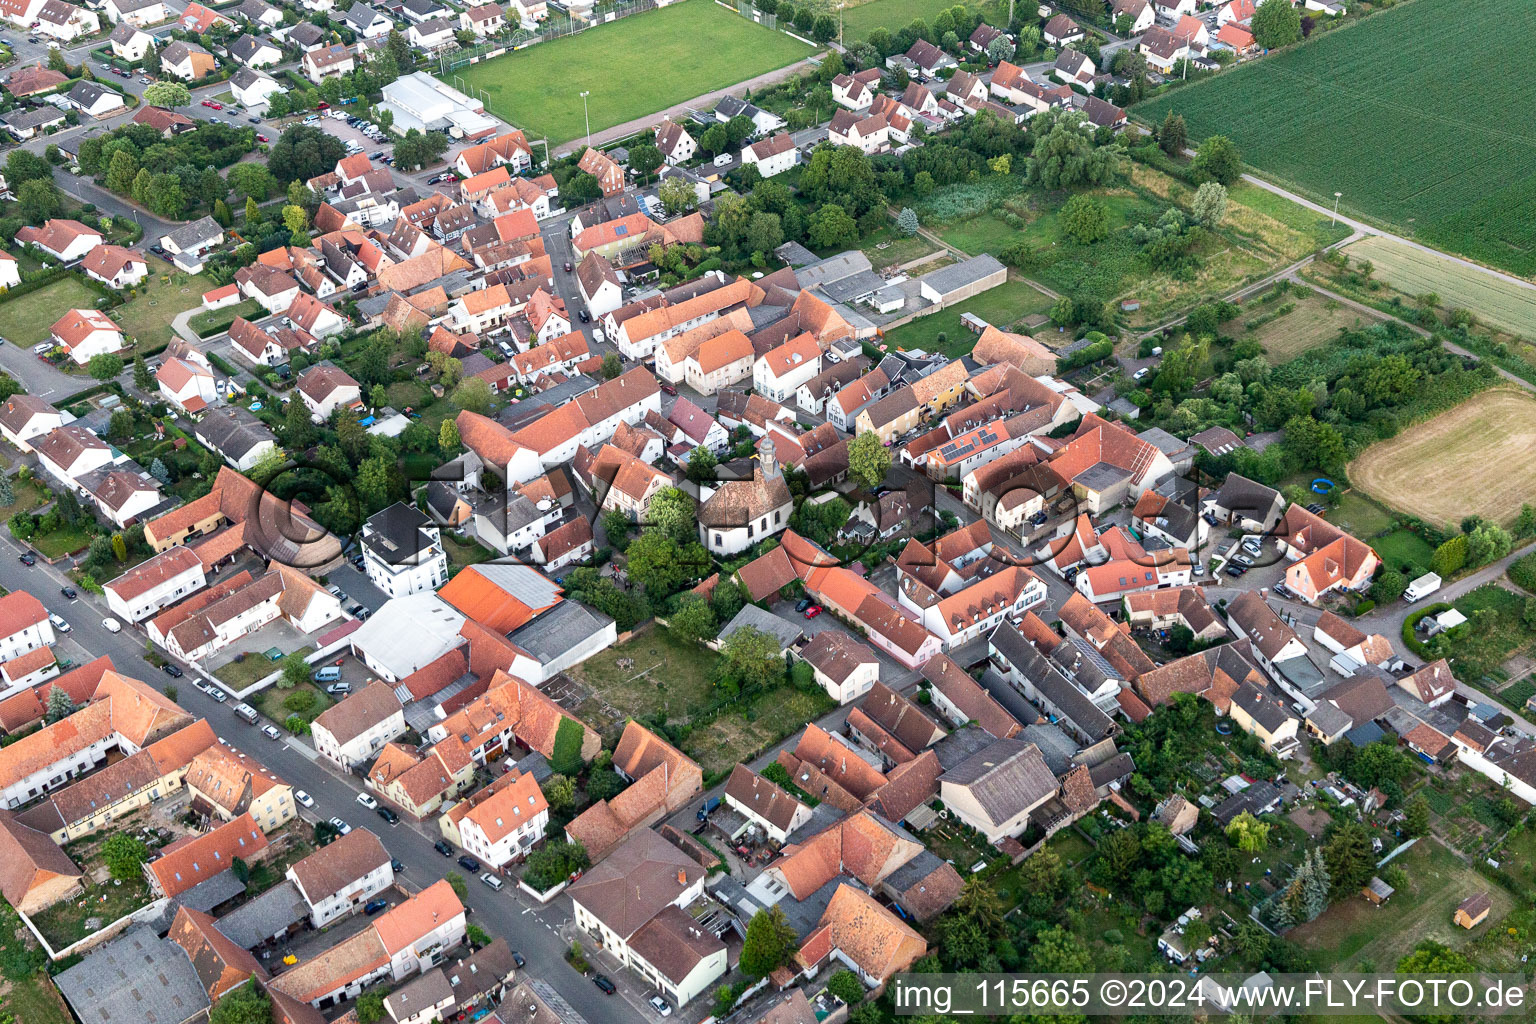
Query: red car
x=262, y=138
x=215, y=106
x=323, y=106
x=813, y=611
x=669, y=389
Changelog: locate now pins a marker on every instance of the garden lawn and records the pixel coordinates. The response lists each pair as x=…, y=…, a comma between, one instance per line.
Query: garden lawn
x=271, y=703
x=147, y=317
x=462, y=553
x=35, y=1001
x=64, y=923
x=1358, y=515
x=632, y=67
x=677, y=686
x=889, y=248
x=213, y=321
x=26, y=319
x=1403, y=547
x=1353, y=930
x=66, y=540
x=252, y=667
x=1318, y=117
x=745, y=731
x=1002, y=307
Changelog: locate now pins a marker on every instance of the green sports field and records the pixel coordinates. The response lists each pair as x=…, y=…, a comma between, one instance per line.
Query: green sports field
x=1404, y=114
x=633, y=67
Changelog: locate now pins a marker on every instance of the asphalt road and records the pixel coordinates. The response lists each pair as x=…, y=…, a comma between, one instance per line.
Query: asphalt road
x=528, y=930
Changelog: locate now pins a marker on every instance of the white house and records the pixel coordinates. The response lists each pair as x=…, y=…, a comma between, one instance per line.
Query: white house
x=23, y=417
x=1140, y=13
x=155, y=584
x=778, y=373
x=845, y=668
x=254, y=51
x=403, y=551
x=431, y=35
x=10, y=271
x=869, y=134
x=354, y=731
x=68, y=453
x=186, y=61
x=773, y=155
x=186, y=384
x=20, y=13
x=676, y=145
x=328, y=62
x=94, y=100
x=64, y=240
x=66, y=21
x=84, y=333
x=338, y=879
x=26, y=621
x=599, y=284
x=188, y=243
x=483, y=20
x=136, y=13
x=253, y=89
x=324, y=389
x=504, y=820
x=764, y=804
x=274, y=289
x=115, y=266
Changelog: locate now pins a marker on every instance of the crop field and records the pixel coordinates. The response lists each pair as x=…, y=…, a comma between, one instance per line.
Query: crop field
x=631, y=67
x=1314, y=321
x=1478, y=457
x=1457, y=176
x=859, y=21
x=1496, y=302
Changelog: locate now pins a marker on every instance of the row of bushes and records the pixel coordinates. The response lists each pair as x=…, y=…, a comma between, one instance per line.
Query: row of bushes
x=1411, y=625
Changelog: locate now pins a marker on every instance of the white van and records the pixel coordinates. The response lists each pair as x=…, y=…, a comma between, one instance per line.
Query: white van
x=491, y=880
x=246, y=712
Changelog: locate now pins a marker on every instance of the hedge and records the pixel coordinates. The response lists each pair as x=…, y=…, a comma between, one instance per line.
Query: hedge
x=1411, y=625
x=1522, y=573
x=41, y=279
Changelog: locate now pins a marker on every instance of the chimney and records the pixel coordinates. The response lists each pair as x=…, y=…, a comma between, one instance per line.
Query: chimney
x=682, y=877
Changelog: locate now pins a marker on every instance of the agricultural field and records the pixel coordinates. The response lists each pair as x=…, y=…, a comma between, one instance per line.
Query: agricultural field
x=1002, y=307
x=632, y=67
x=1478, y=457
x=1312, y=321
x=992, y=214
x=1322, y=120
x=1496, y=302
x=859, y=20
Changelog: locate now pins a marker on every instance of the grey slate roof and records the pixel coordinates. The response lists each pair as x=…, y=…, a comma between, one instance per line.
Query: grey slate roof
x=233, y=431
x=138, y=978
x=787, y=632
x=1006, y=777
x=558, y=630
x=1056, y=747
x=196, y=234
x=24, y=119
x=265, y=916
x=87, y=93
x=397, y=533
x=1054, y=687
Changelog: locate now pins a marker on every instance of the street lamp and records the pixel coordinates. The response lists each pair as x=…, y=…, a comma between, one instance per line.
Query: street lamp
x=1336, y=197
x=587, y=116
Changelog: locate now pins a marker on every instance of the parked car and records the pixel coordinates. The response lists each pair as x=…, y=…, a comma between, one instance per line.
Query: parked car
x=336, y=689
x=491, y=880
x=270, y=732
x=388, y=815
x=216, y=693
x=1281, y=590
x=396, y=864
x=59, y=623
x=517, y=958
x=669, y=389
x=69, y=592
x=803, y=604
x=171, y=670
x=1236, y=570
x=442, y=847
x=111, y=625
x=813, y=611
x=367, y=801
x=567, y=266
x=28, y=559
x=586, y=317
x=602, y=982
x=469, y=863
x=374, y=906
x=660, y=1005
x=304, y=799
x=262, y=138
x=340, y=826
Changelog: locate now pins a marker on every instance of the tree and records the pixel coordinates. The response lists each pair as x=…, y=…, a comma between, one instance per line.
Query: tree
x=295, y=671
x=60, y=706
x=832, y=228
x=303, y=152
x=979, y=902
x=7, y=490
x=613, y=366
x=1085, y=219
x=1248, y=833
x=1173, y=136
x=418, y=149
x=474, y=395
x=56, y=61
x=1064, y=154
x=1487, y=542
x=105, y=366
x=247, y=1004
x=165, y=93
x=676, y=195
x=1217, y=159
x=868, y=459
x=1449, y=557
x=751, y=658
x=1349, y=859
x=38, y=200
x=1209, y=205
x=1416, y=817
x=906, y=221
x=846, y=986
x=999, y=49
x=142, y=378
x=694, y=619
x=700, y=469
x=660, y=564
x=770, y=942
x=673, y=512
x=123, y=853
x=644, y=159
x=1275, y=23
x=448, y=436
x=559, y=793
x=370, y=1007
x=1388, y=587
x=121, y=172
x=456, y=882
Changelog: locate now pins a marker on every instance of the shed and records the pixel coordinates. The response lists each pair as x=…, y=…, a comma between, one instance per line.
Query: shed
x=1473, y=910
x=1377, y=891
